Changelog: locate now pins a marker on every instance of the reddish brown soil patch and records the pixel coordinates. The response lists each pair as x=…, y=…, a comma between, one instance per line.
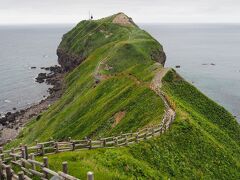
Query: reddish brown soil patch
x=123, y=20
x=118, y=117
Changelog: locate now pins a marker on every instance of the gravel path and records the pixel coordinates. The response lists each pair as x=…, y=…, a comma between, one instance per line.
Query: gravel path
x=156, y=85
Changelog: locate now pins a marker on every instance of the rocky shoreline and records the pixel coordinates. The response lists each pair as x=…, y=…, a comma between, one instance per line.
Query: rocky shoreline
x=12, y=123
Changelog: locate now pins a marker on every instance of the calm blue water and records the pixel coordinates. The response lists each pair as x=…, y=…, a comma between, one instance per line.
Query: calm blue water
x=20, y=48
x=187, y=45
x=193, y=45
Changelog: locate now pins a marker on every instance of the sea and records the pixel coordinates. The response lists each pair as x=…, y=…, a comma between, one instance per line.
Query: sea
x=21, y=48
x=208, y=56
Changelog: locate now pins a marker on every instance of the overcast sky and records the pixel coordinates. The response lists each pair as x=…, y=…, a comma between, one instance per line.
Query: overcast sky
x=142, y=11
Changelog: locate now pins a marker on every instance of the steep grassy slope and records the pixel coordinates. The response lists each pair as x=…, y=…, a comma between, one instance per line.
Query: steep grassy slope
x=198, y=144
x=117, y=65
x=113, y=78
x=130, y=47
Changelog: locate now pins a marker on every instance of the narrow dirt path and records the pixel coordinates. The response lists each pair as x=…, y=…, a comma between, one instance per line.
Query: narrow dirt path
x=157, y=80
x=97, y=75
x=156, y=85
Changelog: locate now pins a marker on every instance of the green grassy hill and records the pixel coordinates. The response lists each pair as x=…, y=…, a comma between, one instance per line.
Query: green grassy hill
x=109, y=92
x=113, y=80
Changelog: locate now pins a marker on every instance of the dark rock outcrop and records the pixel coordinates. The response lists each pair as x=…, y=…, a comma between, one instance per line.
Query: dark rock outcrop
x=49, y=77
x=159, y=56
x=55, y=69
x=9, y=117
x=67, y=61
x=41, y=77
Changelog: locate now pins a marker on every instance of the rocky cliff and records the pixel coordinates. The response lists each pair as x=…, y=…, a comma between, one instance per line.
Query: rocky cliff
x=77, y=44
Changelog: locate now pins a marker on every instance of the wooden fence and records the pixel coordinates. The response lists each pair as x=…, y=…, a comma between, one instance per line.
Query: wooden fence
x=23, y=157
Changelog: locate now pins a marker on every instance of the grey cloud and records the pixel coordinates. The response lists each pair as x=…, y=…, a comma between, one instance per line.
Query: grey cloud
x=72, y=11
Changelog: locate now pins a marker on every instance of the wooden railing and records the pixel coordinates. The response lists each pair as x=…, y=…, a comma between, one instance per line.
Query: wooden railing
x=23, y=156
x=30, y=168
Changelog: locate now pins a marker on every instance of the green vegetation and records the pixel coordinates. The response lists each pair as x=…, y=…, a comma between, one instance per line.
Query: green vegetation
x=88, y=108
x=202, y=143
x=197, y=146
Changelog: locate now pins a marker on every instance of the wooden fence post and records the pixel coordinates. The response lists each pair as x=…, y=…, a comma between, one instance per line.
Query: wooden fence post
x=57, y=147
x=2, y=157
x=90, y=176
x=65, y=167
x=1, y=170
x=42, y=149
x=32, y=157
x=126, y=140
x=137, y=136
x=1, y=150
x=8, y=172
x=145, y=136
x=116, y=141
x=22, y=153
x=26, y=152
x=104, y=142
x=90, y=143
x=20, y=146
x=45, y=164
x=21, y=175
x=37, y=145
x=153, y=131
x=161, y=129
x=73, y=146
x=23, y=156
x=13, y=152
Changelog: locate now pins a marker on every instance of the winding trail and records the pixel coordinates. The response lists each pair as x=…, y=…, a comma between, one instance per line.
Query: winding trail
x=156, y=86
x=19, y=156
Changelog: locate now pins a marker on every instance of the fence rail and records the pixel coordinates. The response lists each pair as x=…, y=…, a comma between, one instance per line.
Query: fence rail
x=23, y=156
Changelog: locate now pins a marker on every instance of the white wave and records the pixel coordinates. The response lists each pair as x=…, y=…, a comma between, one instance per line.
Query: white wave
x=7, y=101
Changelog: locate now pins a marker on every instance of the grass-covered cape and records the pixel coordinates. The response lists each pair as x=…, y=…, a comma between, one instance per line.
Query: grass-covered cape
x=109, y=92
